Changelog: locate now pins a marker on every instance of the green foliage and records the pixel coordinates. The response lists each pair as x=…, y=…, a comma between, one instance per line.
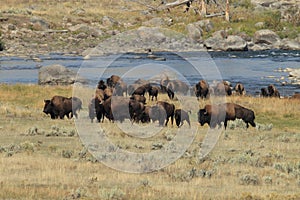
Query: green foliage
x=273, y=20
x=242, y=3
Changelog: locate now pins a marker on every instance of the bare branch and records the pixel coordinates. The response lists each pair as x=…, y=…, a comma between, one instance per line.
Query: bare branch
x=173, y=4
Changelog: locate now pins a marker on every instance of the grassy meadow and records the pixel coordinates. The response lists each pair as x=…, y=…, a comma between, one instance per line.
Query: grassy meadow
x=42, y=158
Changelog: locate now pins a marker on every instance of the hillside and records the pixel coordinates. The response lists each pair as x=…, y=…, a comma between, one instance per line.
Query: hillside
x=39, y=27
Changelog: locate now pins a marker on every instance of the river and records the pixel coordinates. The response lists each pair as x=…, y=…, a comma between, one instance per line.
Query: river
x=254, y=69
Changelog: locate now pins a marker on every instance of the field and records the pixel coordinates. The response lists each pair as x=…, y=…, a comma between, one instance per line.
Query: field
x=42, y=158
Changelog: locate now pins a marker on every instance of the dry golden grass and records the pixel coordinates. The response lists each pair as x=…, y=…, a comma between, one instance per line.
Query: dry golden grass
x=245, y=164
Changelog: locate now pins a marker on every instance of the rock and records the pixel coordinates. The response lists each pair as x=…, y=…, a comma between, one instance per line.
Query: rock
x=221, y=34
x=235, y=43
x=58, y=75
x=259, y=24
x=39, y=23
x=295, y=73
x=205, y=25
x=150, y=34
x=137, y=40
x=266, y=36
x=290, y=44
x=78, y=11
x=231, y=43
x=194, y=33
x=109, y=22
x=158, y=21
x=83, y=28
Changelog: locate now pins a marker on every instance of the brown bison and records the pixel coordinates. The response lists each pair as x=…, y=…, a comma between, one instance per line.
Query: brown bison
x=169, y=110
x=116, y=108
x=239, y=89
x=296, y=96
x=270, y=91
x=273, y=92
x=153, y=92
x=201, y=89
x=264, y=92
x=60, y=106
x=154, y=113
x=139, y=98
x=101, y=85
x=213, y=115
x=113, y=80
x=181, y=116
x=223, y=88
x=96, y=109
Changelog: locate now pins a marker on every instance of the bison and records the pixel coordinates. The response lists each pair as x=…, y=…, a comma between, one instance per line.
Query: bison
x=60, y=106
x=169, y=110
x=113, y=80
x=201, y=89
x=273, y=92
x=181, y=116
x=139, y=98
x=101, y=85
x=223, y=88
x=239, y=89
x=213, y=115
x=270, y=91
x=153, y=92
x=155, y=113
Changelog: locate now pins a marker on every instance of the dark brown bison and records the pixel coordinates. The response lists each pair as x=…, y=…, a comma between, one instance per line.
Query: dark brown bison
x=113, y=80
x=214, y=115
x=155, y=113
x=270, y=91
x=136, y=110
x=273, y=92
x=100, y=95
x=178, y=86
x=201, y=89
x=169, y=109
x=223, y=88
x=139, y=98
x=96, y=109
x=239, y=89
x=101, y=85
x=153, y=92
x=120, y=88
x=181, y=116
x=264, y=92
x=139, y=89
x=116, y=108
x=60, y=106
x=108, y=92
x=92, y=110
x=145, y=118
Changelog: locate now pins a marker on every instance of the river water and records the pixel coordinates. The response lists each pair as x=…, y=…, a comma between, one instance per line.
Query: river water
x=254, y=69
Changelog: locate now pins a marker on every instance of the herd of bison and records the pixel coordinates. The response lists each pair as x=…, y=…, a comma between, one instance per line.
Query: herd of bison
x=109, y=101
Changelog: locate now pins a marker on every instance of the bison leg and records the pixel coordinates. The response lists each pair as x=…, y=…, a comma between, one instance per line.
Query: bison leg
x=225, y=124
x=188, y=121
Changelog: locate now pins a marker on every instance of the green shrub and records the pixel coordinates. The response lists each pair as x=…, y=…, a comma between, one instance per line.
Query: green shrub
x=273, y=20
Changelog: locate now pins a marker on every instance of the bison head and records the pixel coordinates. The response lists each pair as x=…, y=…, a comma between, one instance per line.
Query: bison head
x=203, y=117
x=49, y=108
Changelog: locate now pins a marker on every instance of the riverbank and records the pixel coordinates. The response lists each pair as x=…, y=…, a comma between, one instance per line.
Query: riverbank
x=75, y=28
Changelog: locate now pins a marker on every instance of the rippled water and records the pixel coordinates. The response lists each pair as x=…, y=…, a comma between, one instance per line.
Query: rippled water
x=254, y=69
